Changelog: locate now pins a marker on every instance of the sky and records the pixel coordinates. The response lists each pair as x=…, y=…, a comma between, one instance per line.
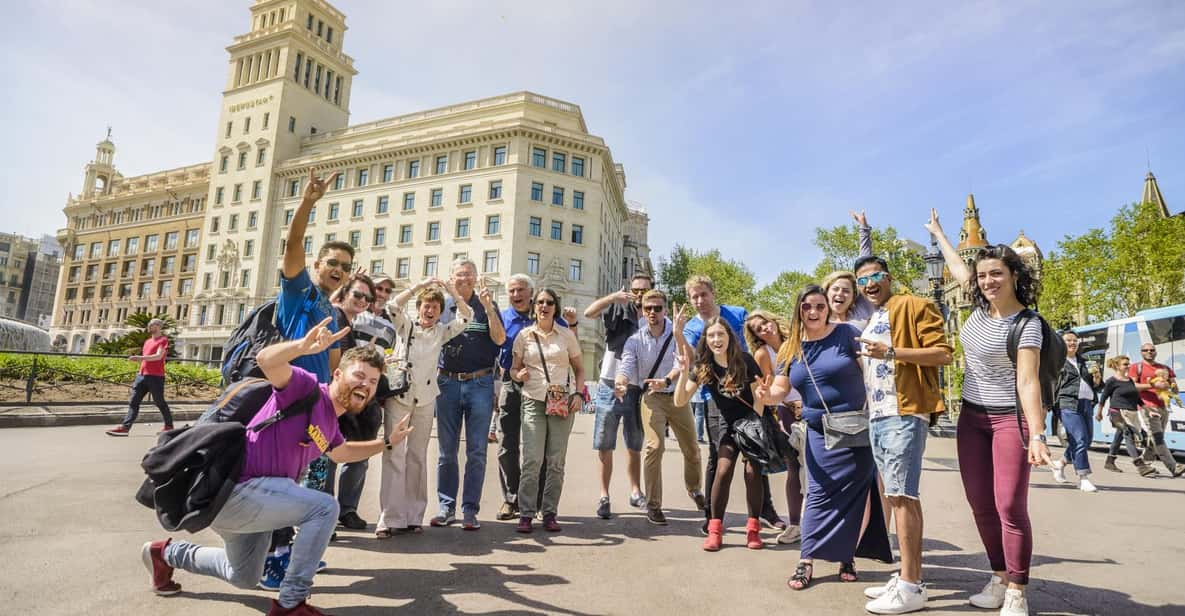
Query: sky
x=742, y=126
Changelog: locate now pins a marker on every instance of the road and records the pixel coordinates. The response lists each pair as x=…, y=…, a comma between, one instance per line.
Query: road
x=71, y=534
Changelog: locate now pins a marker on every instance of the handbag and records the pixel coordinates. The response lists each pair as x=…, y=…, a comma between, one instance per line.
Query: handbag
x=757, y=442
x=399, y=375
x=840, y=430
x=631, y=402
x=557, y=396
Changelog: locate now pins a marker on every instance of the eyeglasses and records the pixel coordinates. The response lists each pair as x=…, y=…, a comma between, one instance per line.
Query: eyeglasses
x=1148, y=350
x=817, y=307
x=361, y=295
x=873, y=277
x=545, y=302
x=344, y=265
x=653, y=308
x=384, y=289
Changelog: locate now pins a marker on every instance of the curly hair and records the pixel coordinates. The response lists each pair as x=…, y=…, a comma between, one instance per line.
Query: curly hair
x=736, y=373
x=778, y=320
x=1025, y=284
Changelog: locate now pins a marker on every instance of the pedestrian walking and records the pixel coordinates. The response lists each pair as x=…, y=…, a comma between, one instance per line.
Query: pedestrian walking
x=1154, y=410
x=1123, y=412
x=150, y=379
x=1075, y=399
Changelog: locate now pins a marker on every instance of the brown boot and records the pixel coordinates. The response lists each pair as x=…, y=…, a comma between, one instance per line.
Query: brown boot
x=1110, y=465
x=1145, y=469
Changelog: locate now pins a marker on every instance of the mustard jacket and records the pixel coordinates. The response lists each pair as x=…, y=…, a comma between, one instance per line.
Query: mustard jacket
x=915, y=323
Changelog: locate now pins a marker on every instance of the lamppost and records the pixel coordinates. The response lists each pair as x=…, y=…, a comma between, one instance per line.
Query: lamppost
x=934, y=267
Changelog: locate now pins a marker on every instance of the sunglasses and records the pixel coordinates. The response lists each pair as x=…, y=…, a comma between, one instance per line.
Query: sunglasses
x=818, y=307
x=361, y=295
x=639, y=291
x=1147, y=350
x=344, y=265
x=653, y=308
x=873, y=277
x=544, y=302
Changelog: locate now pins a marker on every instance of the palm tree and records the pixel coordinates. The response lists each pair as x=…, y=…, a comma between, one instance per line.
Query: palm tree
x=131, y=342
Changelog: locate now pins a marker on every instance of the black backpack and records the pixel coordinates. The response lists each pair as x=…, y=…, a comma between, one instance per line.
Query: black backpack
x=257, y=331
x=1053, y=356
x=241, y=401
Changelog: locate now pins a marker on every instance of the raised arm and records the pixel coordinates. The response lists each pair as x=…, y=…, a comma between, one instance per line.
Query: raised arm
x=294, y=257
x=958, y=269
x=497, y=330
x=274, y=360
x=599, y=305
x=865, y=231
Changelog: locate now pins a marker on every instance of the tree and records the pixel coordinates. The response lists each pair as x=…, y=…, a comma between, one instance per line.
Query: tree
x=778, y=296
x=1135, y=264
x=132, y=342
x=841, y=247
x=733, y=281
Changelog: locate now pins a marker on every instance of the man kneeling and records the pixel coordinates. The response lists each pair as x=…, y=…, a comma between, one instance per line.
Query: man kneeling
x=267, y=496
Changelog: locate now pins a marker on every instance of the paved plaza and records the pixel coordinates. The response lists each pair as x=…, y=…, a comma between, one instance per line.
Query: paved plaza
x=71, y=534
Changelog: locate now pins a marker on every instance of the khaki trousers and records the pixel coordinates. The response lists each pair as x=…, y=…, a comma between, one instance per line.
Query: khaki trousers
x=659, y=411
x=403, y=493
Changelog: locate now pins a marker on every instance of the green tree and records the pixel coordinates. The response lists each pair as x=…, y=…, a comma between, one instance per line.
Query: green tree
x=778, y=296
x=733, y=281
x=841, y=247
x=1138, y=262
x=132, y=342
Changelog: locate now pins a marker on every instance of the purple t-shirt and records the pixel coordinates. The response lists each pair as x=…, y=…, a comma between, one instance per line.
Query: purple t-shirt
x=286, y=447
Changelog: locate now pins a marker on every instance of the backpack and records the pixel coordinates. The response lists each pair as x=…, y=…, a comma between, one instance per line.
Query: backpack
x=1053, y=357
x=256, y=331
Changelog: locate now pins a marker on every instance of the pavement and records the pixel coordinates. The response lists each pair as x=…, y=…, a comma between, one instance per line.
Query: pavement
x=51, y=415
x=71, y=534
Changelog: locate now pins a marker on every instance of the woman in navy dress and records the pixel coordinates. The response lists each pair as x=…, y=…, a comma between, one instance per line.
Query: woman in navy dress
x=841, y=479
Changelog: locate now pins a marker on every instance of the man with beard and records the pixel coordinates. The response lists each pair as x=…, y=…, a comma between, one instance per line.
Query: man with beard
x=267, y=496
x=904, y=343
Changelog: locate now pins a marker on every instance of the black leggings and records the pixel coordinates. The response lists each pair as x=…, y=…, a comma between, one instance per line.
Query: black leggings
x=726, y=462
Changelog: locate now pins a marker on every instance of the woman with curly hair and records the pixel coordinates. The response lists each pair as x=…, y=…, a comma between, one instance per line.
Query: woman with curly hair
x=996, y=448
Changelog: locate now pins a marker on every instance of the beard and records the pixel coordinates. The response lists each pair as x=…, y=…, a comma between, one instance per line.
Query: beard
x=354, y=400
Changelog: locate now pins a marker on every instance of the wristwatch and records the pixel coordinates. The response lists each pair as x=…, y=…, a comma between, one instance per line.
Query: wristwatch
x=1038, y=437
x=387, y=442
x=890, y=354
x=667, y=380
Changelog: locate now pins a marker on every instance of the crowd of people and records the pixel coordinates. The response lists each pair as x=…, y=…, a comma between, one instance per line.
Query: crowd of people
x=840, y=396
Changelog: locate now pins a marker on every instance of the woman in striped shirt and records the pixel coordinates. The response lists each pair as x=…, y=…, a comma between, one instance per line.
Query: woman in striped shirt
x=991, y=438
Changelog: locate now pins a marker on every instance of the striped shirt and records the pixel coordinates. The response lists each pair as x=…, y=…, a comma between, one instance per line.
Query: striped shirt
x=989, y=378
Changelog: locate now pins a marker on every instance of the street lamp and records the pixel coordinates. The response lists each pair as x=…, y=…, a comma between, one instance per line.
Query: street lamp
x=934, y=267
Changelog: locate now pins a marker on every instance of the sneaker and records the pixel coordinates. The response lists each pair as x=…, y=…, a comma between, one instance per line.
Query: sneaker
x=1085, y=485
x=637, y=500
x=791, y=535
x=992, y=595
x=166, y=428
x=301, y=609
x=322, y=566
x=469, y=522
x=771, y=520
x=524, y=524
x=1059, y=471
x=159, y=571
x=1015, y=603
x=274, y=568
x=898, y=600
x=603, y=508
x=703, y=529
x=550, y=524
x=654, y=515
x=118, y=431
x=352, y=521
x=698, y=497
x=444, y=518
x=508, y=511
x=875, y=592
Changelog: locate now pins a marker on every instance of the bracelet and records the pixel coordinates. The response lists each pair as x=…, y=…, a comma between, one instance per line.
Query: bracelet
x=387, y=443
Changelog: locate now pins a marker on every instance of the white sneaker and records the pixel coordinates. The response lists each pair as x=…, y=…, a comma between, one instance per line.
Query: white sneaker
x=1015, y=603
x=875, y=592
x=791, y=535
x=992, y=595
x=1085, y=485
x=898, y=600
x=1059, y=471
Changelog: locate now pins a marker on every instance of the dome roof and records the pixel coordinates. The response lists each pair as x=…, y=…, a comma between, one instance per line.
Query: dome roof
x=1026, y=247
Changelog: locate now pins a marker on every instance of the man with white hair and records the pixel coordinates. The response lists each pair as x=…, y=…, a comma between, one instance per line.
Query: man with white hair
x=150, y=379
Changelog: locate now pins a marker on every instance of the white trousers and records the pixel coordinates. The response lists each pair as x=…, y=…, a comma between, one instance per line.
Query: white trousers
x=403, y=494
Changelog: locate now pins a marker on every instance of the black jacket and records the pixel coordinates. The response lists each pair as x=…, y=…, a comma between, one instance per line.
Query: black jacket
x=191, y=472
x=1067, y=385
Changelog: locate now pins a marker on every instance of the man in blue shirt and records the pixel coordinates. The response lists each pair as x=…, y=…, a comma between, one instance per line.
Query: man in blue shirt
x=466, y=396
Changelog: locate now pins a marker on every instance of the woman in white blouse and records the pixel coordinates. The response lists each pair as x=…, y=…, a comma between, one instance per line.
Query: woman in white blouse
x=403, y=496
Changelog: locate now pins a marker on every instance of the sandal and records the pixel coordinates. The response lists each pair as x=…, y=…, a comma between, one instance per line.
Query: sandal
x=847, y=572
x=802, y=576
x=383, y=533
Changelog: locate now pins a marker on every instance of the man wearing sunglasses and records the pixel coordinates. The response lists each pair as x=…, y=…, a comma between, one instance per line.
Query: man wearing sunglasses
x=904, y=343
x=620, y=314
x=1154, y=413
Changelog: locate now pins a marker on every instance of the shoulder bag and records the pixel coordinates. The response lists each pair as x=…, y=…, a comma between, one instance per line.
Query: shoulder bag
x=840, y=430
x=631, y=402
x=399, y=375
x=557, y=395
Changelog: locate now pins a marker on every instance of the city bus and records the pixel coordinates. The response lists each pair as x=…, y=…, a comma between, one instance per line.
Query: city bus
x=1163, y=327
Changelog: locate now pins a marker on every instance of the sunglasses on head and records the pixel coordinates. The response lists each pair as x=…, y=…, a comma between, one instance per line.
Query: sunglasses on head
x=873, y=277
x=808, y=306
x=653, y=308
x=360, y=295
x=545, y=302
x=344, y=265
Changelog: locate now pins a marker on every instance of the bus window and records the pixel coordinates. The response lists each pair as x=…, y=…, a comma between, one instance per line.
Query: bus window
x=1129, y=341
x=1168, y=335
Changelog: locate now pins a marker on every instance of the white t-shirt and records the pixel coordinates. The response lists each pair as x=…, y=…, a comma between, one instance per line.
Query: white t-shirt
x=990, y=377
x=880, y=374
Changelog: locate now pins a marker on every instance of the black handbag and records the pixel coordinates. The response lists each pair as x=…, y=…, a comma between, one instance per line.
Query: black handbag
x=757, y=442
x=631, y=402
x=840, y=430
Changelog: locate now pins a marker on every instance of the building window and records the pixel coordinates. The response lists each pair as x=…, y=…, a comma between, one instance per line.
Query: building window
x=292, y=119
x=356, y=212
x=577, y=166
x=355, y=238
x=437, y=197
x=500, y=155
x=557, y=195
x=430, y=265
x=559, y=162
x=441, y=164
x=294, y=188
x=535, y=227
x=363, y=176
x=171, y=240
x=575, y=270
x=470, y=159
x=96, y=250
x=79, y=252
x=403, y=268
x=490, y=261
x=462, y=228
x=465, y=195
x=245, y=278
x=339, y=181
x=388, y=172
x=222, y=163
x=330, y=237
x=148, y=267
x=256, y=190
x=249, y=248
x=288, y=214
x=577, y=234
x=242, y=160
x=207, y=280
x=413, y=169
x=150, y=242
x=577, y=200
x=299, y=61
x=404, y=234
x=533, y=263
x=211, y=251
x=218, y=193
x=237, y=194
x=229, y=127
x=557, y=230
x=262, y=154
x=266, y=119
x=308, y=244
x=409, y=201
x=493, y=224
x=496, y=189
x=536, y=191
x=433, y=231
x=380, y=236
x=113, y=248
x=333, y=211
x=191, y=238
x=384, y=204
x=232, y=224
x=539, y=158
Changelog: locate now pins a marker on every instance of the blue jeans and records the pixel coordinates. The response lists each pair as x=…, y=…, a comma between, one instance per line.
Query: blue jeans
x=143, y=385
x=697, y=407
x=348, y=486
x=1079, y=432
x=470, y=401
x=245, y=523
x=898, y=443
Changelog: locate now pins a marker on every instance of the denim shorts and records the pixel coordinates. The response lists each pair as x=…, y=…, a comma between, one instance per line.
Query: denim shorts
x=898, y=442
x=609, y=415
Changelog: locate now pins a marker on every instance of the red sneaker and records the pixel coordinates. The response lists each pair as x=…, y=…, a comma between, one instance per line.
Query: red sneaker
x=301, y=609
x=153, y=557
x=118, y=431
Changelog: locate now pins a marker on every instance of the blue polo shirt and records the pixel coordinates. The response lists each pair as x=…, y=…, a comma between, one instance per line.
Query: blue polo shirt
x=472, y=349
x=299, y=308
x=733, y=315
x=513, y=322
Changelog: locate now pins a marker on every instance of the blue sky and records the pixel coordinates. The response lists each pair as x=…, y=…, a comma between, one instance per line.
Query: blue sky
x=742, y=126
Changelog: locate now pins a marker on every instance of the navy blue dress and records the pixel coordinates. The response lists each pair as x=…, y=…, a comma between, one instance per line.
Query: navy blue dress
x=839, y=481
